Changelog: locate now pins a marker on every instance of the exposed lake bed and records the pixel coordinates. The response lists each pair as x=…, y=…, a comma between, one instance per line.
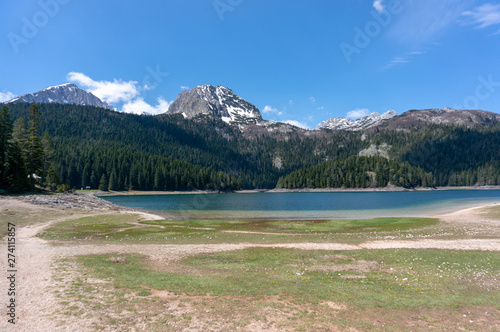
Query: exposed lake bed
x=195, y=274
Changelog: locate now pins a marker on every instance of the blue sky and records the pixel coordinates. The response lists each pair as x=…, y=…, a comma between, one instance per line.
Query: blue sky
x=299, y=61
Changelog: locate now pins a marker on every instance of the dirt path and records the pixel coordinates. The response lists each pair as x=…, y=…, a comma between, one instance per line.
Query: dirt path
x=36, y=301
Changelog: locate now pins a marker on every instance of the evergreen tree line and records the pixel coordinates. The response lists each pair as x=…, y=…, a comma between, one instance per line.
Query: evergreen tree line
x=25, y=158
x=117, y=168
x=358, y=172
x=455, y=156
x=206, y=142
x=94, y=147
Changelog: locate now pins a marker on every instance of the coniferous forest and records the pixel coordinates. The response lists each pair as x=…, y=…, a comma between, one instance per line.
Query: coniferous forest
x=62, y=147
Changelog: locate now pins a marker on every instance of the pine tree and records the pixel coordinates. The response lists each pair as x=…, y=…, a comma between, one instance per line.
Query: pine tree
x=52, y=177
x=5, y=137
x=16, y=170
x=94, y=180
x=20, y=134
x=86, y=176
x=113, y=182
x=35, y=149
x=159, y=181
x=103, y=184
x=48, y=155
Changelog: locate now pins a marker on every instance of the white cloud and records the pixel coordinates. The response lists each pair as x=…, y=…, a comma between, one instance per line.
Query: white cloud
x=417, y=53
x=422, y=21
x=291, y=102
x=401, y=60
x=483, y=16
x=358, y=113
x=183, y=87
x=6, y=96
x=139, y=106
x=312, y=100
x=395, y=62
x=296, y=124
x=119, y=91
x=269, y=109
x=111, y=92
x=379, y=5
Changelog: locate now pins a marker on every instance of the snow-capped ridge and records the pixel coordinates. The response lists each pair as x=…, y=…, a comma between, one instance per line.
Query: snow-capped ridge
x=70, y=86
x=340, y=123
x=218, y=101
x=67, y=93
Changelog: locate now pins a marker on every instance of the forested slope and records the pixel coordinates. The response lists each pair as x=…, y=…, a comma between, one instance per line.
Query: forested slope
x=96, y=147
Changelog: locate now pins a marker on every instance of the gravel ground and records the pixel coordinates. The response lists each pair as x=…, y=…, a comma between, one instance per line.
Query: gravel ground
x=70, y=201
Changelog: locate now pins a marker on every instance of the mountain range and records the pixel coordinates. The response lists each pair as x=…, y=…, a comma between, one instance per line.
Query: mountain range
x=365, y=122
x=210, y=138
x=221, y=102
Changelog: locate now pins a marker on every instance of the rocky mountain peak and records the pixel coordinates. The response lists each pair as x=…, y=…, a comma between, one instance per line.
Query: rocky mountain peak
x=365, y=122
x=445, y=116
x=68, y=93
x=218, y=101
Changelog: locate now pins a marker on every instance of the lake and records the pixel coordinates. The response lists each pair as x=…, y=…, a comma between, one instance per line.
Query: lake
x=311, y=205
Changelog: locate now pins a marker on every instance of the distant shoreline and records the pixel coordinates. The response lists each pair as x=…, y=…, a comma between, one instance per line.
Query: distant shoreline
x=389, y=189
x=305, y=190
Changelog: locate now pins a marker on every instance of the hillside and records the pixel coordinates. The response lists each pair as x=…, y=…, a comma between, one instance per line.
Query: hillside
x=91, y=142
x=203, y=141
x=210, y=138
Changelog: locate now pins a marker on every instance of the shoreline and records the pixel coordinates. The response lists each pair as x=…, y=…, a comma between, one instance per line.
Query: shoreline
x=92, y=203
x=304, y=190
x=466, y=211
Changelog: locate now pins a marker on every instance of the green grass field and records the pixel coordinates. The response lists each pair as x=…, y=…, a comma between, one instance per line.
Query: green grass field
x=375, y=290
x=126, y=228
x=370, y=278
x=287, y=289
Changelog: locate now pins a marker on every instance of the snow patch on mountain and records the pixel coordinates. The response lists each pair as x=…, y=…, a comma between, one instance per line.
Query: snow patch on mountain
x=365, y=122
x=68, y=93
x=218, y=101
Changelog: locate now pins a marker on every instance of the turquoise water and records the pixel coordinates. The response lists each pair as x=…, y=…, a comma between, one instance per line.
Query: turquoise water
x=308, y=205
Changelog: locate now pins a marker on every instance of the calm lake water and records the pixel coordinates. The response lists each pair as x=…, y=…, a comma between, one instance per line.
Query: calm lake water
x=308, y=205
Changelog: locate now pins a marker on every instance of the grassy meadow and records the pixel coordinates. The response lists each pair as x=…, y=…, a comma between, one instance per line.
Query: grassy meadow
x=275, y=288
